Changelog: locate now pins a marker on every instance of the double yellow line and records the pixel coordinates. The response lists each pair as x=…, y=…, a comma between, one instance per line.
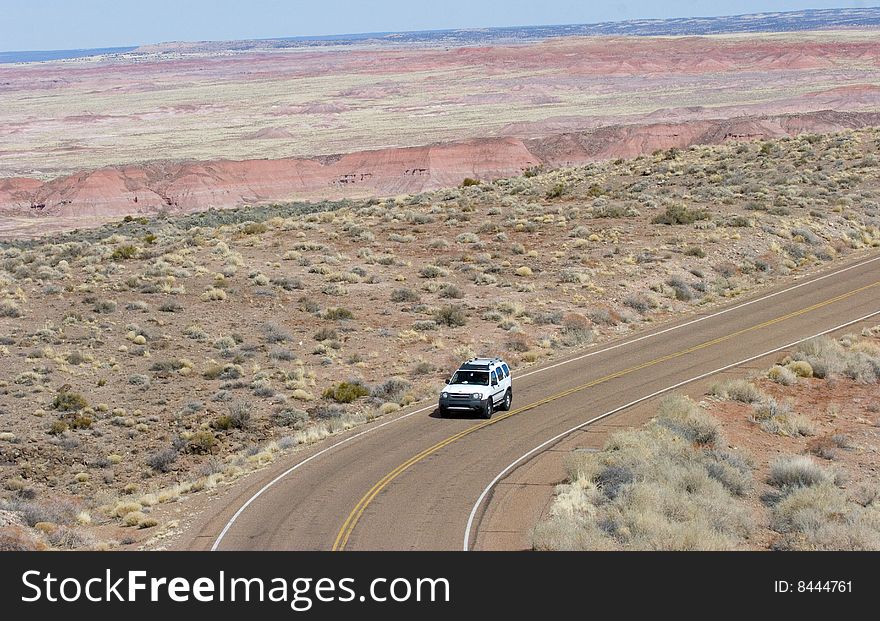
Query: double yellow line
x=354, y=517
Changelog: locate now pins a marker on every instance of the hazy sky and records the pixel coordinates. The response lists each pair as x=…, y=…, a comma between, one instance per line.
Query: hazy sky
x=74, y=24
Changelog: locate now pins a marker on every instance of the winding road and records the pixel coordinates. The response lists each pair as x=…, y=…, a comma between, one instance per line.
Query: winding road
x=416, y=481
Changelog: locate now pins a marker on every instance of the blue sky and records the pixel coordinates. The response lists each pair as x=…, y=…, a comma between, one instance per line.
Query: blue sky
x=74, y=24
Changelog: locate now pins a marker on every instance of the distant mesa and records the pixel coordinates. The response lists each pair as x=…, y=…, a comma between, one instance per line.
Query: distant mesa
x=269, y=133
x=310, y=108
x=194, y=186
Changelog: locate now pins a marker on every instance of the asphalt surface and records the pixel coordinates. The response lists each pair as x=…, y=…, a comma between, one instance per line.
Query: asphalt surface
x=411, y=482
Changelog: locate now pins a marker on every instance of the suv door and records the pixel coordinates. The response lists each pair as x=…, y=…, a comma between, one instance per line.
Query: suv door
x=498, y=387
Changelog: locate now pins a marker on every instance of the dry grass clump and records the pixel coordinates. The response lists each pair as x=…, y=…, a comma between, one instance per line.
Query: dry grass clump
x=669, y=486
x=856, y=359
x=782, y=375
x=777, y=417
x=346, y=392
x=813, y=513
x=738, y=390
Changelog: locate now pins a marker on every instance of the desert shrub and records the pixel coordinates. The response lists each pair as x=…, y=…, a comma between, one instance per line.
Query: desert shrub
x=308, y=305
x=827, y=446
x=682, y=291
x=422, y=368
x=213, y=294
x=164, y=368
x=425, y=325
x=163, y=460
x=171, y=306
x=695, y=251
x=801, y=368
x=679, y=214
x=326, y=334
x=290, y=417
x=287, y=283
x=274, y=333
x=81, y=422
x=559, y=189
x=105, y=306
x=15, y=538
x=862, y=368
x=405, y=295
x=451, y=291
x=202, y=442
x=346, y=392
x=614, y=211
x=807, y=235
x=279, y=353
x=640, y=303
x=10, y=309
x=57, y=510
x=254, y=228
x=686, y=419
x=859, y=361
x=776, y=417
x=576, y=331
x=338, y=314
x=239, y=416
x=57, y=427
x=451, y=316
x=393, y=389
x=797, y=471
x=732, y=469
x=737, y=390
x=468, y=182
x=67, y=401
x=468, y=238
x=124, y=253
x=602, y=317
x=545, y=318
x=431, y=271
x=782, y=375
x=820, y=517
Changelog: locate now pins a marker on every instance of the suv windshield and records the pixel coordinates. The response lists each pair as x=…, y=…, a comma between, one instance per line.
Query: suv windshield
x=478, y=378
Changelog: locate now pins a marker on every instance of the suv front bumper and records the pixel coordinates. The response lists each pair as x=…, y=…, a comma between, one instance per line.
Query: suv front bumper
x=462, y=403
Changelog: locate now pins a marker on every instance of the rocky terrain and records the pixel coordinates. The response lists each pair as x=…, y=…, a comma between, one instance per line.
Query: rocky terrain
x=90, y=139
x=157, y=357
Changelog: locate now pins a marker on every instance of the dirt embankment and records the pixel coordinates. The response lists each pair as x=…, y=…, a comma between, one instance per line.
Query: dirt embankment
x=193, y=186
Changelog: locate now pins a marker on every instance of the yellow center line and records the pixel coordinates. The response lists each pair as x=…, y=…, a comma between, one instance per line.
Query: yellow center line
x=356, y=513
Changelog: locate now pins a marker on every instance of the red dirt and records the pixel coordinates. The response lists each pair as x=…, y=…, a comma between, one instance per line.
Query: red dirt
x=224, y=183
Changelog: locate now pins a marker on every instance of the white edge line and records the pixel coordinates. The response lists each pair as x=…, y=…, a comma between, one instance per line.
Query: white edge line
x=699, y=319
x=296, y=466
x=503, y=473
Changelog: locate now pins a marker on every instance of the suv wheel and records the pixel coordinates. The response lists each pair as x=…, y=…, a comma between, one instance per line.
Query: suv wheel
x=442, y=412
x=508, y=400
x=487, y=411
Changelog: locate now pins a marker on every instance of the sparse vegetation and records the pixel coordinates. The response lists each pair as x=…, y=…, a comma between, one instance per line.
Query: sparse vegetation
x=660, y=488
x=272, y=306
x=679, y=214
x=346, y=392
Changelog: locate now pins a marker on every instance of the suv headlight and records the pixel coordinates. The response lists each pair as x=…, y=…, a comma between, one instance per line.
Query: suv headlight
x=445, y=395
x=478, y=395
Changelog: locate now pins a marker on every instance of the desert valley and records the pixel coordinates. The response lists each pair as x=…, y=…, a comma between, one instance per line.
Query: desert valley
x=214, y=257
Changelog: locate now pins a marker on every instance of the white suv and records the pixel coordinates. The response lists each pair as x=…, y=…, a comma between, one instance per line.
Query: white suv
x=480, y=384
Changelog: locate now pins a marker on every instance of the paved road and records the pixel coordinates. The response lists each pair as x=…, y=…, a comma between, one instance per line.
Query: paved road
x=412, y=482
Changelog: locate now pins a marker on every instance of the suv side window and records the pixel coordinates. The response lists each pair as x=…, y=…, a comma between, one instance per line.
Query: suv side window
x=506, y=370
x=495, y=374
